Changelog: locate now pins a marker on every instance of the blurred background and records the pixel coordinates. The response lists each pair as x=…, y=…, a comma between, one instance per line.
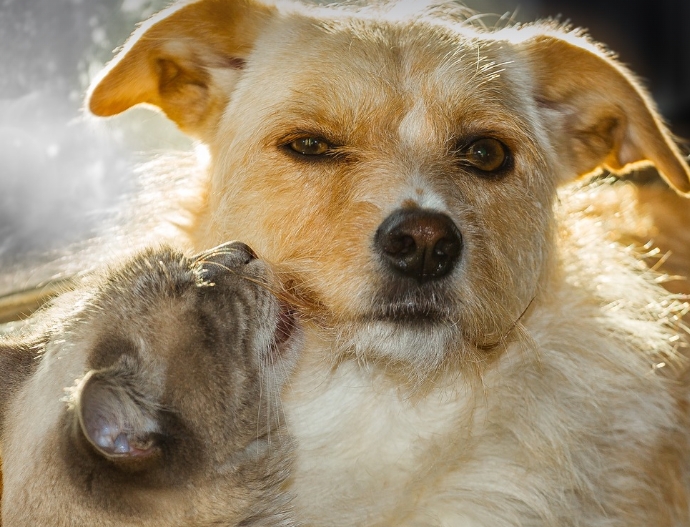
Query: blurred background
x=63, y=173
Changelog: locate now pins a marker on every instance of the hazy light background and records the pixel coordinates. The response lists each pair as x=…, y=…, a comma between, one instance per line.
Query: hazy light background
x=64, y=173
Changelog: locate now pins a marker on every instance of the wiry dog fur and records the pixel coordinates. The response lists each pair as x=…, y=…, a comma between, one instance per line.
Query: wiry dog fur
x=536, y=381
x=151, y=398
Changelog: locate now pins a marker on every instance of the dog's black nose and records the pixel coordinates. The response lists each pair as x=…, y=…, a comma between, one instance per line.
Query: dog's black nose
x=418, y=243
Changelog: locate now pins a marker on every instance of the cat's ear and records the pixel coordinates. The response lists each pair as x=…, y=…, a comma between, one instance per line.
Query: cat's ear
x=116, y=416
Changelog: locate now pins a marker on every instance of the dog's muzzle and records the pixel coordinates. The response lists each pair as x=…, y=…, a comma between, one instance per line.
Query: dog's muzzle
x=419, y=243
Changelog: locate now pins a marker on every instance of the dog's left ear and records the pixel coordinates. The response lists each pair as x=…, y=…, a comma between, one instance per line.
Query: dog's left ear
x=185, y=61
x=600, y=115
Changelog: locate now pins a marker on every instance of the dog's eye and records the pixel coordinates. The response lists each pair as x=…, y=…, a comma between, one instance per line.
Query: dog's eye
x=310, y=146
x=486, y=154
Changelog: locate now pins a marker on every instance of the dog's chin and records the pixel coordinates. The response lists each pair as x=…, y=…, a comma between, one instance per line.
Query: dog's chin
x=413, y=314
x=414, y=335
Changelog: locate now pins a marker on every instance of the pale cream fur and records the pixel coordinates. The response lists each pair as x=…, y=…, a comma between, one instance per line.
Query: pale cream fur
x=550, y=391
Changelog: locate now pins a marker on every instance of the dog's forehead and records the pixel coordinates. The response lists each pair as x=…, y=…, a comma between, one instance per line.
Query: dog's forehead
x=408, y=76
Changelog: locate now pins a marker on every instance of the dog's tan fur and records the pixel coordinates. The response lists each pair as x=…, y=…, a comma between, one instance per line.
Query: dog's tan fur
x=652, y=216
x=149, y=397
x=541, y=386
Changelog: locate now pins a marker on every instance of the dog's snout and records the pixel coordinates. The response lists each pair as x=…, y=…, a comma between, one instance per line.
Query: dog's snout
x=418, y=243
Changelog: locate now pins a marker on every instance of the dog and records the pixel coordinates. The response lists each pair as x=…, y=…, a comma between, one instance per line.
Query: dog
x=171, y=417
x=486, y=356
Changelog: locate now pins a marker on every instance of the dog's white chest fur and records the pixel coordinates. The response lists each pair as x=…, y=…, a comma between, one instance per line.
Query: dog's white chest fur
x=364, y=444
x=525, y=446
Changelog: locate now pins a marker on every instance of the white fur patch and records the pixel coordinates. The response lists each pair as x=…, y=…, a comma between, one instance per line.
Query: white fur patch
x=419, y=191
x=415, y=130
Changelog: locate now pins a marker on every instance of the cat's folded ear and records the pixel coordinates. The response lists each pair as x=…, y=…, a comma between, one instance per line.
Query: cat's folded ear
x=116, y=416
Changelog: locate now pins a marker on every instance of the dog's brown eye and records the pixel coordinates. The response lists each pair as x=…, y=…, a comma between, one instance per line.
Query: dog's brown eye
x=487, y=154
x=310, y=146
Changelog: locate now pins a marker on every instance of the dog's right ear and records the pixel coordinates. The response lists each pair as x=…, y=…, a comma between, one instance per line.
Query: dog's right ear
x=185, y=61
x=115, y=415
x=599, y=114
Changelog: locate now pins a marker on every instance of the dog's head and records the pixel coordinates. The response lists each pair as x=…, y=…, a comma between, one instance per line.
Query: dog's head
x=178, y=366
x=402, y=165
